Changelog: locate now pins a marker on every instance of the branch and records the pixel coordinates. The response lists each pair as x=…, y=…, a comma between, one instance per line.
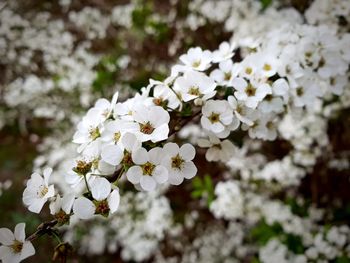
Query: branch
x=42, y=229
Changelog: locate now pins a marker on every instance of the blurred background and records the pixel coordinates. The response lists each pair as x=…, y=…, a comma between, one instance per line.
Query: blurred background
x=58, y=57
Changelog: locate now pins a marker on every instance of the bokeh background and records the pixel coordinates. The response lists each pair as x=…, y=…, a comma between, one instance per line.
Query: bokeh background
x=58, y=57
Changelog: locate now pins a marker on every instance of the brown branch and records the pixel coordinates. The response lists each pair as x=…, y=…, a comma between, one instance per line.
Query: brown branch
x=42, y=229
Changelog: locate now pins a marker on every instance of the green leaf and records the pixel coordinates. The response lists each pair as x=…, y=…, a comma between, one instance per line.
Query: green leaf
x=342, y=259
x=197, y=183
x=263, y=232
x=294, y=243
x=265, y=3
x=197, y=193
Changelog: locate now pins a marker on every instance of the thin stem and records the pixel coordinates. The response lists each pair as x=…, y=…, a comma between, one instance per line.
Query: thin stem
x=177, y=95
x=86, y=183
x=57, y=237
x=119, y=176
x=102, y=174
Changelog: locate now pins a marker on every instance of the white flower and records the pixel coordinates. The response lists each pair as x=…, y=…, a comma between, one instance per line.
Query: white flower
x=229, y=203
x=224, y=52
x=114, y=130
x=218, y=150
x=14, y=247
x=38, y=191
x=105, y=202
x=88, y=128
x=77, y=170
x=241, y=111
x=251, y=93
x=217, y=116
x=61, y=208
x=225, y=73
x=280, y=88
x=267, y=64
x=163, y=95
x=153, y=123
x=271, y=104
x=112, y=154
x=264, y=126
x=305, y=93
x=147, y=171
x=105, y=107
x=125, y=110
x=193, y=85
x=179, y=163
x=197, y=59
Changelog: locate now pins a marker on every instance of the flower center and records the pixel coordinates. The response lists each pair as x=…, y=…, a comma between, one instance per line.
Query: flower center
x=148, y=168
x=61, y=217
x=94, y=163
x=214, y=117
x=332, y=81
x=102, y=207
x=17, y=246
x=94, y=133
x=270, y=125
x=177, y=162
x=267, y=67
x=196, y=63
x=239, y=109
x=227, y=76
x=217, y=146
x=250, y=90
x=146, y=128
x=82, y=167
x=300, y=91
x=127, y=159
x=42, y=191
x=158, y=101
x=269, y=97
x=116, y=136
x=194, y=91
x=248, y=70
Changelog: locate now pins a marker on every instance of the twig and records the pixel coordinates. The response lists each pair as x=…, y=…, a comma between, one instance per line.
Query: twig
x=42, y=229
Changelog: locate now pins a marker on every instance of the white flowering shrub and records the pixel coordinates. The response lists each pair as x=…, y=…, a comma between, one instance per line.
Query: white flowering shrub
x=218, y=161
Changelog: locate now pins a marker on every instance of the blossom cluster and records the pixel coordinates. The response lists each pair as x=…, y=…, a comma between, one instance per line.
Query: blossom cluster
x=280, y=79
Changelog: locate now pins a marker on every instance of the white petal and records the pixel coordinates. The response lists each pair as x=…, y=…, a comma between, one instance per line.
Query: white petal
x=160, y=174
x=189, y=170
x=239, y=83
x=148, y=183
x=134, y=174
x=47, y=172
x=176, y=177
x=19, y=232
x=161, y=133
x=187, y=152
x=83, y=208
x=67, y=202
x=100, y=188
x=217, y=127
x=203, y=143
x=27, y=250
x=114, y=200
x=36, y=205
x=171, y=149
x=112, y=154
x=72, y=178
x=7, y=256
x=50, y=192
x=6, y=236
x=130, y=142
x=155, y=155
x=140, y=156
